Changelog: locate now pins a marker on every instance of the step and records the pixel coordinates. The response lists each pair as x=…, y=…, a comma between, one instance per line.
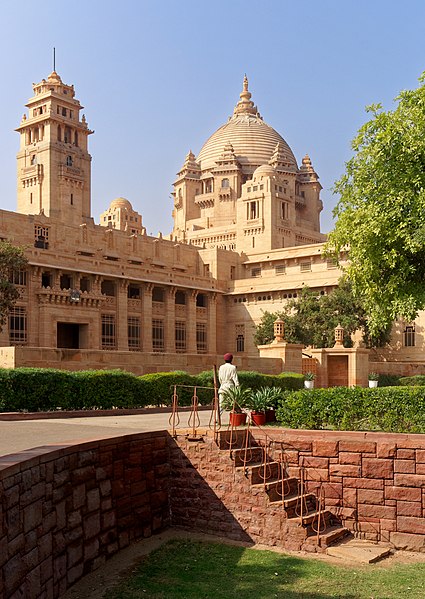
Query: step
x=332, y=535
x=311, y=516
x=252, y=455
x=357, y=550
x=258, y=472
x=274, y=488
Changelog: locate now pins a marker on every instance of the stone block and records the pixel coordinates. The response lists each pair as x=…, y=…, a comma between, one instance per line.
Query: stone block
x=325, y=448
x=408, y=542
x=406, y=454
x=370, y=496
x=385, y=450
x=409, y=508
x=404, y=466
x=411, y=525
x=409, y=480
x=357, y=446
x=377, y=468
x=345, y=470
x=376, y=511
x=347, y=457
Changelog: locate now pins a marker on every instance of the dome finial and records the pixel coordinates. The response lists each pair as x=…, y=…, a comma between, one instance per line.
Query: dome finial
x=245, y=104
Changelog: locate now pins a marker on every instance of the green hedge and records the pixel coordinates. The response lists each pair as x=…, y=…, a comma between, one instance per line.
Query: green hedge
x=392, y=409
x=412, y=381
x=44, y=389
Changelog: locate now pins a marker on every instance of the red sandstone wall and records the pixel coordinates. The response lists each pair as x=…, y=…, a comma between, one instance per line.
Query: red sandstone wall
x=375, y=482
x=63, y=511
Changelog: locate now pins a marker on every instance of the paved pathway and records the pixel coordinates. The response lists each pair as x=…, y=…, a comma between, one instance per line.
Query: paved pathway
x=25, y=434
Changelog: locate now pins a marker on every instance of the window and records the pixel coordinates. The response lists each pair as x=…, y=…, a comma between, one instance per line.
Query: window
x=201, y=300
x=256, y=272
x=41, y=235
x=63, y=111
x=253, y=209
x=240, y=343
x=85, y=284
x=284, y=210
x=108, y=288
x=67, y=135
x=108, y=331
x=158, y=335
x=305, y=266
x=18, y=326
x=232, y=273
x=157, y=294
x=19, y=277
x=72, y=199
x=46, y=279
x=201, y=337
x=280, y=269
x=69, y=161
x=33, y=159
x=180, y=298
x=65, y=282
x=134, y=333
x=225, y=183
x=133, y=292
x=409, y=336
x=180, y=336
x=331, y=263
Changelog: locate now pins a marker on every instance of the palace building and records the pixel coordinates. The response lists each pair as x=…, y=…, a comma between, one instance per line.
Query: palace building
x=246, y=239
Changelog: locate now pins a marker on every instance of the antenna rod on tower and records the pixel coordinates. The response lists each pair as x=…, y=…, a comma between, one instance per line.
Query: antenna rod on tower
x=54, y=58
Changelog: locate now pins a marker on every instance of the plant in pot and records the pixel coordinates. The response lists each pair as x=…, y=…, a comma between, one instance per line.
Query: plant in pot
x=233, y=400
x=260, y=401
x=309, y=380
x=272, y=395
x=373, y=379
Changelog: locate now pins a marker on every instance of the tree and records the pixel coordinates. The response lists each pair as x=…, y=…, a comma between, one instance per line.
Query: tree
x=311, y=319
x=12, y=260
x=381, y=212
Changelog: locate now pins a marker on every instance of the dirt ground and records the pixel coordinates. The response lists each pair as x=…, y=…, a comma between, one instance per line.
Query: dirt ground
x=121, y=565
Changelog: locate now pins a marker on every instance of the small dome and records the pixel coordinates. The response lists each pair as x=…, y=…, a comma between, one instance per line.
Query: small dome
x=121, y=203
x=264, y=170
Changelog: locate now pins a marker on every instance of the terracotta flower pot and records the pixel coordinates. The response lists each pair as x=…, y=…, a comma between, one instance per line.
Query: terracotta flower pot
x=270, y=415
x=237, y=419
x=258, y=418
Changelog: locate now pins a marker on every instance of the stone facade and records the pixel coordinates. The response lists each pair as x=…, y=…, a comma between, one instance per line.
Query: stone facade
x=246, y=239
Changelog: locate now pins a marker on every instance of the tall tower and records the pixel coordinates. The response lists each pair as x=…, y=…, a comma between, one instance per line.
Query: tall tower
x=54, y=165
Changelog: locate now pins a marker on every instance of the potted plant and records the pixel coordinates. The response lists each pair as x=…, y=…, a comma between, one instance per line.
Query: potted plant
x=234, y=400
x=260, y=401
x=309, y=380
x=373, y=379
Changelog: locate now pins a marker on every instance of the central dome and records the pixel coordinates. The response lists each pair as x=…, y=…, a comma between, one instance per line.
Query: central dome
x=252, y=139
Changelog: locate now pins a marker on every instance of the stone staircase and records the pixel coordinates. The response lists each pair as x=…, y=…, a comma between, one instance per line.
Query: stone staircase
x=309, y=525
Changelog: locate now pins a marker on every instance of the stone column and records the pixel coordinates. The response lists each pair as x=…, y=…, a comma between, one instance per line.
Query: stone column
x=191, y=322
x=147, y=317
x=121, y=316
x=212, y=324
x=170, y=320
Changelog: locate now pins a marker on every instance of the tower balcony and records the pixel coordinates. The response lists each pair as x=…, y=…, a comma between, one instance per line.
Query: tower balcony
x=205, y=200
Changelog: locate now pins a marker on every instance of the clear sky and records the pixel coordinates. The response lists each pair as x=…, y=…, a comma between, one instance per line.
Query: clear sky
x=157, y=78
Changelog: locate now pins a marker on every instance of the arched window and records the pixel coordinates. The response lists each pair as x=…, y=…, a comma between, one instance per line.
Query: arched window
x=180, y=297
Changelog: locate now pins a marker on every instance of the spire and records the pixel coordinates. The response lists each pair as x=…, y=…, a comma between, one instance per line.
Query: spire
x=245, y=104
x=280, y=158
x=307, y=171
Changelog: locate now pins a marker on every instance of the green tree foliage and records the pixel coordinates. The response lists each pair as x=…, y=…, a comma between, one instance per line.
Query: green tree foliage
x=311, y=319
x=12, y=260
x=381, y=211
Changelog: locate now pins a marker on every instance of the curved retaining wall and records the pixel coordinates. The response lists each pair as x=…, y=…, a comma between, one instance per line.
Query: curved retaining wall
x=65, y=509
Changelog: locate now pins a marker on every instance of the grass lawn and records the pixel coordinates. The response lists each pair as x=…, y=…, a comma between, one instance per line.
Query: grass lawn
x=200, y=570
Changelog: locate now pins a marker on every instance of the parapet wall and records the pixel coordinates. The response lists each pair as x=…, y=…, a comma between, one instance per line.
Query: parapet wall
x=374, y=482
x=65, y=510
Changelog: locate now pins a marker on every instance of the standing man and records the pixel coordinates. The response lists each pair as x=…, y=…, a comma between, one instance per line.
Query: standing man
x=227, y=376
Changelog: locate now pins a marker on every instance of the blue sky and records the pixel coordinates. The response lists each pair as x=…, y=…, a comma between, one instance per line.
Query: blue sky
x=158, y=78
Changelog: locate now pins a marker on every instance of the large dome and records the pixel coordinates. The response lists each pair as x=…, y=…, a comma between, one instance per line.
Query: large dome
x=252, y=139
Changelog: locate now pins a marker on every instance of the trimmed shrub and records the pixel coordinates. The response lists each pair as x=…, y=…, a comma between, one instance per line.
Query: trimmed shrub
x=392, y=409
x=389, y=380
x=106, y=389
x=412, y=381
x=158, y=387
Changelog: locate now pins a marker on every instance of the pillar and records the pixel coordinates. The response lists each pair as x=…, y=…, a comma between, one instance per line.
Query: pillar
x=170, y=320
x=147, y=317
x=121, y=316
x=191, y=322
